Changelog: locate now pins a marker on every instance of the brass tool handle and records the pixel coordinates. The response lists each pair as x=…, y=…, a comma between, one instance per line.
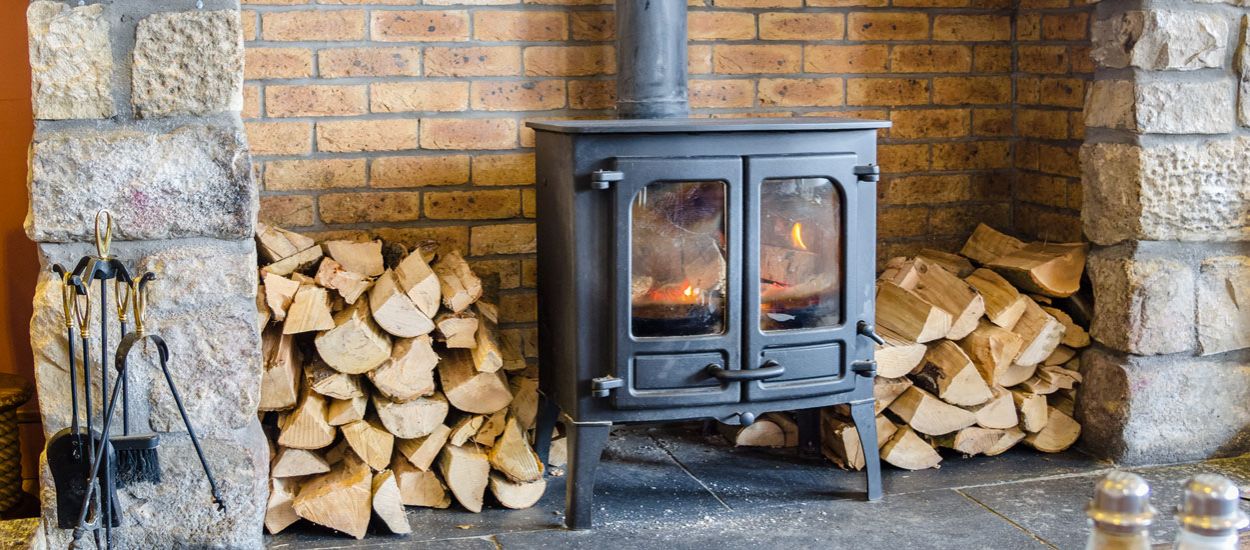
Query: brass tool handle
x=103, y=239
x=139, y=298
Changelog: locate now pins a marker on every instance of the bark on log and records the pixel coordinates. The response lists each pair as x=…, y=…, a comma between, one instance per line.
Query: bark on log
x=992, y=349
x=986, y=245
x=907, y=316
x=947, y=372
x=280, y=380
x=1050, y=269
x=1041, y=333
x=419, y=282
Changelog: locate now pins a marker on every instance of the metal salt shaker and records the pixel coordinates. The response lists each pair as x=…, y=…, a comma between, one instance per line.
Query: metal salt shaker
x=1210, y=515
x=1120, y=513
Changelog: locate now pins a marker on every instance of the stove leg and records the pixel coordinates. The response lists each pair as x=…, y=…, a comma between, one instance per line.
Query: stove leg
x=548, y=413
x=866, y=425
x=809, y=430
x=586, y=442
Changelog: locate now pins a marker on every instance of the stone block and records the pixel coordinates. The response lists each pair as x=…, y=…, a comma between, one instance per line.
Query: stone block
x=1151, y=410
x=71, y=61
x=1243, y=72
x=1161, y=40
x=1174, y=191
x=202, y=304
x=194, y=180
x=178, y=512
x=1185, y=107
x=188, y=63
x=1143, y=306
x=1224, y=304
x=1110, y=104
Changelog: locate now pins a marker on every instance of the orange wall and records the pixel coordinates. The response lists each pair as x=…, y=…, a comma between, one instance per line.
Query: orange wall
x=18, y=266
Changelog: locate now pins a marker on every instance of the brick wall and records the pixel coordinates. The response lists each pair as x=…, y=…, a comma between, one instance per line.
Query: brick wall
x=407, y=121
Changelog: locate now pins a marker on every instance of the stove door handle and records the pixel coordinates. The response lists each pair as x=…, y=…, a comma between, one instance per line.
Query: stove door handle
x=770, y=369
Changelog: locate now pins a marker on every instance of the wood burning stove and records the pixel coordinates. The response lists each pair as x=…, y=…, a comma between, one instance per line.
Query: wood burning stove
x=699, y=268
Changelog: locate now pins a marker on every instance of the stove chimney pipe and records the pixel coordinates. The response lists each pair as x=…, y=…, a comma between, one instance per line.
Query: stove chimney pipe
x=651, y=59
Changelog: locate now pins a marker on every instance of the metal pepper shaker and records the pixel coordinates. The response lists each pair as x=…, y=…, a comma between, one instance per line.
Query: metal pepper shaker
x=1120, y=513
x=1210, y=515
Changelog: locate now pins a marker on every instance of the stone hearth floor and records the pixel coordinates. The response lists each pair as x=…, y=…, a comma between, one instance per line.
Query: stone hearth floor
x=669, y=487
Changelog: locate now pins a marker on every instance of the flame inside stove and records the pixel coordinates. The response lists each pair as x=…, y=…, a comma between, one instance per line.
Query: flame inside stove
x=688, y=291
x=796, y=235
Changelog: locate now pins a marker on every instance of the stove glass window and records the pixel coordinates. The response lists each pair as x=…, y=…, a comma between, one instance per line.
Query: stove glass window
x=800, y=254
x=678, y=259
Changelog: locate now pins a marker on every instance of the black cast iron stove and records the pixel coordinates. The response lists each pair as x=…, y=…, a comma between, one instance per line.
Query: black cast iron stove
x=699, y=268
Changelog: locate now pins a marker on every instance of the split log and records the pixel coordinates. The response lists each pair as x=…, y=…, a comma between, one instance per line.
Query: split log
x=422, y=451
x=419, y=283
x=1061, y=432
x=954, y=263
x=1073, y=334
x=513, y=457
x=948, y=372
x=1050, y=269
x=486, y=354
x=908, y=451
x=336, y=453
x=992, y=349
x=1054, y=378
x=789, y=428
x=897, y=357
x=280, y=379
x=419, y=487
x=1061, y=355
x=297, y=462
x=349, y=284
x=409, y=373
x=1032, y=409
x=339, y=499
x=459, y=286
x=463, y=429
x=332, y=383
x=1064, y=401
x=1015, y=374
x=346, y=411
x=999, y=412
x=301, y=261
x=840, y=439
x=263, y=314
x=388, y=504
x=458, y=330
x=355, y=344
x=943, y=289
x=929, y=415
x=558, y=456
x=466, y=471
x=491, y=428
x=309, y=311
x=1011, y=436
x=394, y=311
x=1003, y=303
x=909, y=317
x=371, y=442
x=279, y=293
x=971, y=441
x=886, y=390
x=469, y=390
x=986, y=245
x=274, y=243
x=1041, y=333
x=524, y=405
x=411, y=419
x=515, y=495
x=279, y=512
x=761, y=433
x=364, y=258
x=306, y=426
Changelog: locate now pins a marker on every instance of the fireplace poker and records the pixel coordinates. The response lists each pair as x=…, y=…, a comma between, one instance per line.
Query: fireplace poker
x=138, y=296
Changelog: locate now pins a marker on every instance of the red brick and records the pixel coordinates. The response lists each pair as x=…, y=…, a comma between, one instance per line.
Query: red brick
x=473, y=61
x=887, y=91
x=283, y=175
x=902, y=158
x=350, y=136
x=720, y=25
x=754, y=59
x=593, y=25
x=931, y=59
x=513, y=238
x=468, y=133
x=420, y=26
x=536, y=95
x=801, y=92
x=802, y=26
x=358, y=207
x=1043, y=59
x=419, y=171
x=722, y=94
x=314, y=100
x=861, y=59
x=507, y=169
x=592, y=94
x=570, y=60
x=262, y=63
x=350, y=62
x=1065, y=26
x=287, y=211
x=313, y=25
x=972, y=28
x=974, y=155
x=883, y=25
x=401, y=97
x=967, y=90
x=930, y=123
x=531, y=26
x=473, y=205
x=279, y=138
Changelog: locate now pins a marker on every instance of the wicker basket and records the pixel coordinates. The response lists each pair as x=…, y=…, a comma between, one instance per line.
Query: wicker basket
x=15, y=391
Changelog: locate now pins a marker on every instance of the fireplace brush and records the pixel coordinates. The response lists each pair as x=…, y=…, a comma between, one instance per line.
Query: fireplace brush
x=138, y=296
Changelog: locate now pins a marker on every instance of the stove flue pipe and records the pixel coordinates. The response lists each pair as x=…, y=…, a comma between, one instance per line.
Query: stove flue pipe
x=651, y=59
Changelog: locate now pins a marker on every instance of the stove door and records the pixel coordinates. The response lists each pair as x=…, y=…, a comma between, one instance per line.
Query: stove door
x=677, y=283
x=809, y=251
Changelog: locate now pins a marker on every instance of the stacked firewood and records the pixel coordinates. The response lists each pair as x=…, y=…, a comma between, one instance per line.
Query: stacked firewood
x=353, y=335
x=979, y=356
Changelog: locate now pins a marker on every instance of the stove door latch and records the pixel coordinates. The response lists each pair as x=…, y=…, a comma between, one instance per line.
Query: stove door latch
x=868, y=172
x=602, y=386
x=864, y=368
x=602, y=179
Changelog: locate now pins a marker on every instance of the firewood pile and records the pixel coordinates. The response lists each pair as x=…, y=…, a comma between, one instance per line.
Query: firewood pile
x=354, y=334
x=979, y=356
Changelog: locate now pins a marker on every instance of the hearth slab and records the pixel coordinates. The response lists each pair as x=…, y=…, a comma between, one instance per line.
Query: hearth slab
x=1053, y=509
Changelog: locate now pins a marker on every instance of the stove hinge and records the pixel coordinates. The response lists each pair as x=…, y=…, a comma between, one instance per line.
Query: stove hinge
x=602, y=179
x=602, y=386
x=868, y=172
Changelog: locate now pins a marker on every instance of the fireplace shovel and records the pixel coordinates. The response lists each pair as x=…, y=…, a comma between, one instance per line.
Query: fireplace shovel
x=139, y=299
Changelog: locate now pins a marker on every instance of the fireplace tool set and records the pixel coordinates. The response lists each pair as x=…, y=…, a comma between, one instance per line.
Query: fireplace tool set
x=88, y=462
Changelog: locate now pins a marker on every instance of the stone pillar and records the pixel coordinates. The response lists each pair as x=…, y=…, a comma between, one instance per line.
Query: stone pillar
x=137, y=106
x=1167, y=205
